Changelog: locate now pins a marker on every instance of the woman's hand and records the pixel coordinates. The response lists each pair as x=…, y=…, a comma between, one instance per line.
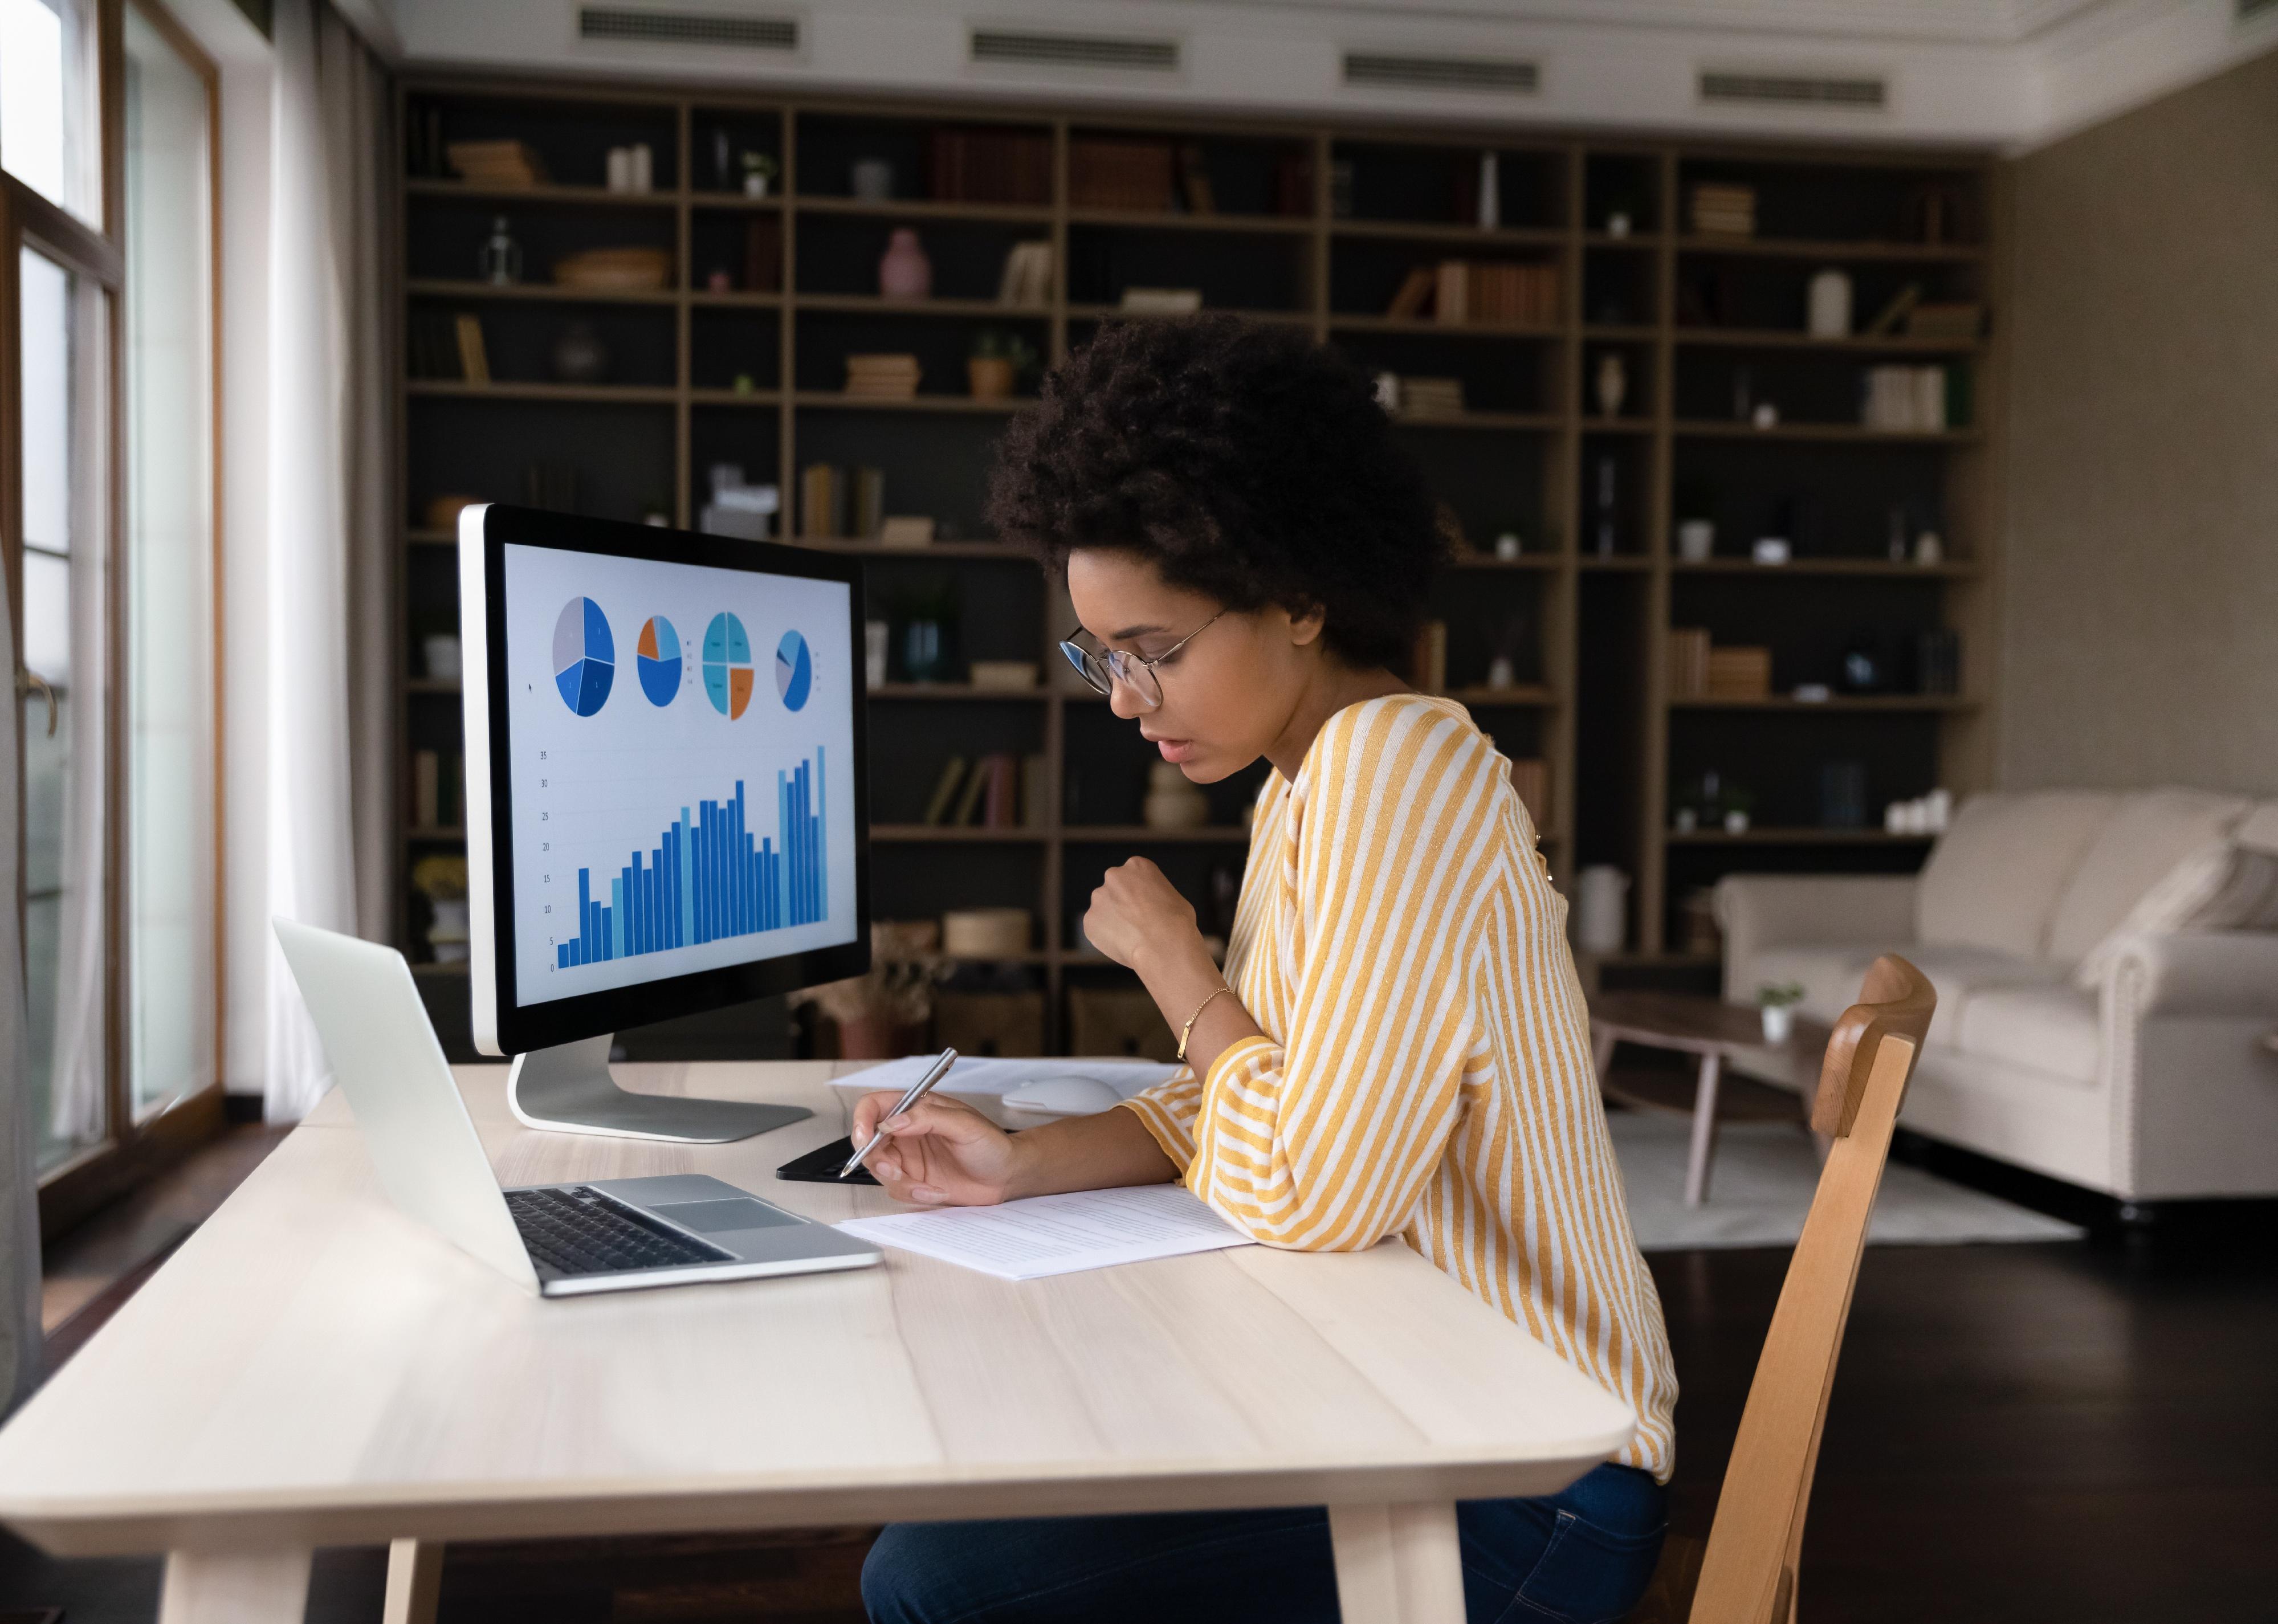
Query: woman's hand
x=1139, y=919
x=939, y=1153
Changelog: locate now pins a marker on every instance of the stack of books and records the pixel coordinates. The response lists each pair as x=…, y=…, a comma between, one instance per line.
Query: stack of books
x=1904, y=399
x=1689, y=662
x=990, y=166
x=1000, y=791
x=1739, y=674
x=1120, y=174
x=1431, y=397
x=1027, y=276
x=839, y=503
x=1429, y=670
x=882, y=377
x=1160, y=300
x=438, y=790
x=1460, y=290
x=1725, y=211
x=497, y=163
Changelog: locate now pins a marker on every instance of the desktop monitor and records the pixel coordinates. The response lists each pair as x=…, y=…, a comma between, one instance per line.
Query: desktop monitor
x=665, y=792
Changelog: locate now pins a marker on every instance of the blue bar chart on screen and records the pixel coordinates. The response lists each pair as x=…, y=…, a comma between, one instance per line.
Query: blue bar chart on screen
x=704, y=878
x=694, y=818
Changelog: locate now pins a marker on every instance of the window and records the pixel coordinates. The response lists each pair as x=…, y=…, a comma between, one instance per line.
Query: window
x=107, y=514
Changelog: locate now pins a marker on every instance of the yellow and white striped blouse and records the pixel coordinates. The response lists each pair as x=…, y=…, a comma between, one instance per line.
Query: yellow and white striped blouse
x=1425, y=1070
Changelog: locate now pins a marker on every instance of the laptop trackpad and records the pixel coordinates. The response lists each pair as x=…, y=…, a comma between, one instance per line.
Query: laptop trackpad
x=714, y=1217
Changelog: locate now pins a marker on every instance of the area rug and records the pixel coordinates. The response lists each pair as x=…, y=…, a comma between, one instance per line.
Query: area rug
x=1761, y=1185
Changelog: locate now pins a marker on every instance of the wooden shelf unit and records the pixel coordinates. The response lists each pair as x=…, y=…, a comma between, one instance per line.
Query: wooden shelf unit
x=1592, y=699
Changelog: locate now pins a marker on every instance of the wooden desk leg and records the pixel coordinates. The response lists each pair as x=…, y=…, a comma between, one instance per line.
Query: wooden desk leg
x=1704, y=1131
x=268, y=1589
x=1397, y=1564
x=414, y=1582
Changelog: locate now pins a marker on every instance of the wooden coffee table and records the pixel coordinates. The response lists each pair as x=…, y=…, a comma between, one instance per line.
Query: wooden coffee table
x=1718, y=1034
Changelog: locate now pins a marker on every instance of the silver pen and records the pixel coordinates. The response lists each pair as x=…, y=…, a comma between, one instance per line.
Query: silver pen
x=923, y=1086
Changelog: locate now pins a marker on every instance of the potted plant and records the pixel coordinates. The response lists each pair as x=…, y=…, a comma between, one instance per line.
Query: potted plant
x=882, y=1012
x=442, y=880
x=1777, y=1001
x=759, y=171
x=998, y=362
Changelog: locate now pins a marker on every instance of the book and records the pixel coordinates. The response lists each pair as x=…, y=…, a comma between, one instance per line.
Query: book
x=496, y=163
x=1415, y=292
x=1726, y=210
x=1740, y=673
x=1027, y=280
x=1035, y=789
x=905, y=530
x=1887, y=319
x=1431, y=397
x=1452, y=300
x=1689, y=662
x=474, y=365
x=870, y=503
x=945, y=790
x=989, y=166
x=821, y=510
x=968, y=800
x=1131, y=175
x=889, y=377
x=1195, y=180
x=1058, y=1234
x=1000, y=802
x=1946, y=321
x=763, y=254
x=426, y=789
x=1161, y=301
x=1429, y=672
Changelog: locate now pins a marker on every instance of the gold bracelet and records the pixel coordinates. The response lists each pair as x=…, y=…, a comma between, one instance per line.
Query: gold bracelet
x=1187, y=1030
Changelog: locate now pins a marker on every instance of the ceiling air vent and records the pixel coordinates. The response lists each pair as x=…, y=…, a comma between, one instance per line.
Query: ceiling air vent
x=1477, y=75
x=1027, y=48
x=644, y=27
x=1723, y=88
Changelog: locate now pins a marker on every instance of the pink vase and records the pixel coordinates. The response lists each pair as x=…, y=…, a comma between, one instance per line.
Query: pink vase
x=904, y=271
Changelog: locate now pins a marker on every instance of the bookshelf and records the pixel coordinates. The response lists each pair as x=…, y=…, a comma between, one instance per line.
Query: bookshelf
x=1318, y=226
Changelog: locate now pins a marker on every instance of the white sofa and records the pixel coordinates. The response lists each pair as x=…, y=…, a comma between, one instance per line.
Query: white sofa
x=2158, y=1084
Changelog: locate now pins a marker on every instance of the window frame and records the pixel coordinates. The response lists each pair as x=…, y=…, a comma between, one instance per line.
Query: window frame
x=130, y=1150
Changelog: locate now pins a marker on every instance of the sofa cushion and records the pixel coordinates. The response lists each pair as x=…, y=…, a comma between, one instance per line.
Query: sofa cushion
x=2259, y=829
x=1994, y=879
x=1830, y=976
x=2047, y=1029
x=2222, y=886
x=2147, y=834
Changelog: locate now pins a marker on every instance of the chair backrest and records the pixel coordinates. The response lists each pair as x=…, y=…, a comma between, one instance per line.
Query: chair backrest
x=1748, y=1573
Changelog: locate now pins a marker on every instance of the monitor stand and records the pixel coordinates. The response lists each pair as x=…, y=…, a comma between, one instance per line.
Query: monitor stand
x=568, y=1089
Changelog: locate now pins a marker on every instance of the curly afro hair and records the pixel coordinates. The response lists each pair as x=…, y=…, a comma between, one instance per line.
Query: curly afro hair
x=1242, y=461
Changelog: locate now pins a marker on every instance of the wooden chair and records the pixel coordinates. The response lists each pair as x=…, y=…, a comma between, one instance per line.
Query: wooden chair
x=1744, y=1573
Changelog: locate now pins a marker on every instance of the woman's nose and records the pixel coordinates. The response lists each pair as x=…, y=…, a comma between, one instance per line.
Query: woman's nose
x=1123, y=699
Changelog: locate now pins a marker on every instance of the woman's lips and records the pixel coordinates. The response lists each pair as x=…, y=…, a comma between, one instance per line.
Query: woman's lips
x=1175, y=749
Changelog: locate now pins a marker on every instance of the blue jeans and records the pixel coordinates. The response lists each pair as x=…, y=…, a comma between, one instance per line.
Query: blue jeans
x=1576, y=1557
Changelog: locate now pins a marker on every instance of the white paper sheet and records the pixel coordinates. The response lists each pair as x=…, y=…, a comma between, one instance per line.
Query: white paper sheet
x=973, y=1077
x=1058, y=1234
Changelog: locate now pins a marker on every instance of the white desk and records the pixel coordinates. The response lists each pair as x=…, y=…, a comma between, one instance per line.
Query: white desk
x=312, y=1368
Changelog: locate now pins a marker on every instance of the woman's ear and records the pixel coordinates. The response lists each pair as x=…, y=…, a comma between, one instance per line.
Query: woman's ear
x=1305, y=624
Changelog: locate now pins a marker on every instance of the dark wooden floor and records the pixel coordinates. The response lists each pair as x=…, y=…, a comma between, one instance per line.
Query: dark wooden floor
x=2083, y=1432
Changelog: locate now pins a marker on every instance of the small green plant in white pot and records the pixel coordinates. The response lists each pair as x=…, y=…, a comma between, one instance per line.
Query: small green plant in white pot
x=1777, y=1001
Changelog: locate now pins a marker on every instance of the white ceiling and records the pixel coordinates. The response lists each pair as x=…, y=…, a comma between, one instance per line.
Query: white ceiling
x=1999, y=74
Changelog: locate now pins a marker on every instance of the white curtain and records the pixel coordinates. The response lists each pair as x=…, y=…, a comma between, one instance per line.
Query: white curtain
x=20, y=1211
x=77, y=1073
x=328, y=503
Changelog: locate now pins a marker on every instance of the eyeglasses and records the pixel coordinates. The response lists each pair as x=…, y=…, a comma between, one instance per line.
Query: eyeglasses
x=1103, y=671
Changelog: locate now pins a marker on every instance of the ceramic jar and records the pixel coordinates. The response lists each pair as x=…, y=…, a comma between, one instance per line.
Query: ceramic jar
x=904, y=271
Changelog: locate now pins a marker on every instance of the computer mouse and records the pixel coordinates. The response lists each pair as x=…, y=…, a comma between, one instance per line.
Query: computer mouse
x=1062, y=1096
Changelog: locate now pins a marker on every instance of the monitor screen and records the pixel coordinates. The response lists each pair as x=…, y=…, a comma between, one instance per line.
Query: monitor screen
x=673, y=755
x=683, y=766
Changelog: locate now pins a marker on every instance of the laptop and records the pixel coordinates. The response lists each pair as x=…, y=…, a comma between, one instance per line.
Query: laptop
x=557, y=1240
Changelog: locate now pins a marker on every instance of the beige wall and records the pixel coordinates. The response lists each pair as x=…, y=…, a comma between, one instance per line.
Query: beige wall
x=2140, y=605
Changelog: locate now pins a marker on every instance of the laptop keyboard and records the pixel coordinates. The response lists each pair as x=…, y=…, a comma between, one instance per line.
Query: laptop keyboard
x=575, y=1231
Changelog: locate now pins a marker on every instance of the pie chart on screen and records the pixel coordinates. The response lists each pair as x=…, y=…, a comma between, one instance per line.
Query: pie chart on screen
x=726, y=665
x=794, y=671
x=585, y=656
x=657, y=658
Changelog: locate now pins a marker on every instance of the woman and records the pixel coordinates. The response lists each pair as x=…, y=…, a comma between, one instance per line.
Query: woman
x=1398, y=1045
